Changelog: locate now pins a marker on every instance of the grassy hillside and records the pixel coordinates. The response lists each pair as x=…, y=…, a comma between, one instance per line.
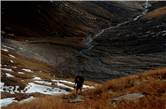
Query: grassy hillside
x=20, y=74
x=156, y=13
x=113, y=94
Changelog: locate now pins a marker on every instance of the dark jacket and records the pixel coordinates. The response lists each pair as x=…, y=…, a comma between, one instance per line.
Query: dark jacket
x=79, y=81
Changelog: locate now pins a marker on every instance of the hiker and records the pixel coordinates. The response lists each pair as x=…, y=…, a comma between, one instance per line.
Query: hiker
x=79, y=81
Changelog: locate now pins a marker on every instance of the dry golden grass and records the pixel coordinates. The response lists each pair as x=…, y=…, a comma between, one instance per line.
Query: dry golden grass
x=151, y=83
x=24, y=62
x=156, y=13
x=39, y=69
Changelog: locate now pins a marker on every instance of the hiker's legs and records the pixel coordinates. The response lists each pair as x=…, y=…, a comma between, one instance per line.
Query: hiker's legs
x=80, y=90
x=77, y=91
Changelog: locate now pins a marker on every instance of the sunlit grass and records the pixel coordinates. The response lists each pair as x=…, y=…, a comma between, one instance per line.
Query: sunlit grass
x=151, y=83
x=156, y=13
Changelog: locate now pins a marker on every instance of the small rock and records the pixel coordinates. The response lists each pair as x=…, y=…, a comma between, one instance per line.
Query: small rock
x=78, y=98
x=129, y=97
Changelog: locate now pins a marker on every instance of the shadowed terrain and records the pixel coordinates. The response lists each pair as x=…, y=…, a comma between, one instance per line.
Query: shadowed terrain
x=105, y=39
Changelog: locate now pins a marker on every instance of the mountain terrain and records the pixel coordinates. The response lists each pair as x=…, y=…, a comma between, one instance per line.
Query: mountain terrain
x=44, y=45
x=105, y=39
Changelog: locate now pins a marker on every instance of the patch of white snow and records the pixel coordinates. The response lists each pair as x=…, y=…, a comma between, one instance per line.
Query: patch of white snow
x=43, y=82
x=7, y=69
x=1, y=86
x=11, y=61
x=32, y=87
x=88, y=87
x=6, y=101
x=36, y=78
x=3, y=49
x=20, y=72
x=27, y=70
x=64, y=86
x=12, y=56
x=9, y=75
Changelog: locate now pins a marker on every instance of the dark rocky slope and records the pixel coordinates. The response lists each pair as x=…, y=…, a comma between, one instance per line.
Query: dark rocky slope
x=100, y=40
x=67, y=23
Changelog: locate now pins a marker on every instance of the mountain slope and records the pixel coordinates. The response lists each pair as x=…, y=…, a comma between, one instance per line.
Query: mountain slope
x=105, y=39
x=143, y=91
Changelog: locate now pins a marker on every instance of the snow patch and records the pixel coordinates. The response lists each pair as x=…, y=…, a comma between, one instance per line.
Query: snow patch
x=36, y=78
x=6, y=69
x=6, y=101
x=72, y=83
x=1, y=86
x=42, y=86
x=1, y=83
x=58, y=83
x=32, y=87
x=12, y=56
x=20, y=72
x=64, y=81
x=68, y=82
x=43, y=82
x=3, y=49
x=9, y=89
x=27, y=70
x=11, y=61
x=88, y=87
x=9, y=75
x=64, y=86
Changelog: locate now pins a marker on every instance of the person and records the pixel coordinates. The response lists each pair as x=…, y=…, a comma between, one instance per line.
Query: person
x=79, y=81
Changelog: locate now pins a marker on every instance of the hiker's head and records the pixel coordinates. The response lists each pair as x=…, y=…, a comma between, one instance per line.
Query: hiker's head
x=78, y=79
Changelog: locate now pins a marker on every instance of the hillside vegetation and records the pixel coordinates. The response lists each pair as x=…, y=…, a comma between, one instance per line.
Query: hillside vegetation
x=142, y=91
x=156, y=13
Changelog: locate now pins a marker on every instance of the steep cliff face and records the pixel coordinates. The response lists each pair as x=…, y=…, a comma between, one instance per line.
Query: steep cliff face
x=100, y=40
